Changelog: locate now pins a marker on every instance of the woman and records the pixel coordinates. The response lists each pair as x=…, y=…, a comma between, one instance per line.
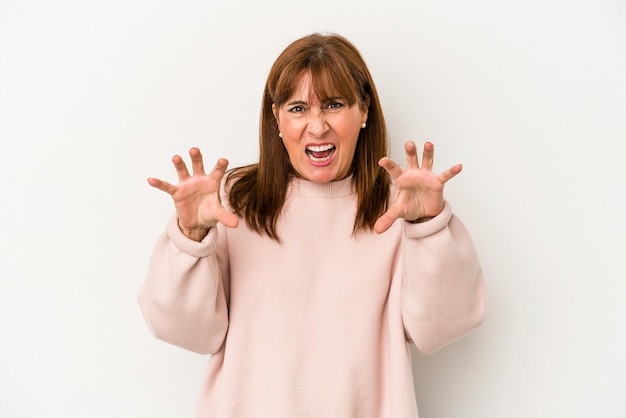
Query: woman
x=307, y=274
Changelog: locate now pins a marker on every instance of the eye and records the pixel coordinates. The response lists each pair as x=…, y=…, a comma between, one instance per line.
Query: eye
x=296, y=109
x=334, y=105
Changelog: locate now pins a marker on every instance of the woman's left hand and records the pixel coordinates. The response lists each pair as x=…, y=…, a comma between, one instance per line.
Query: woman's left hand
x=420, y=191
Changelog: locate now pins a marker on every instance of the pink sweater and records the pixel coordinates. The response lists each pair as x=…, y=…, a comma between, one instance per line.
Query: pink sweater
x=319, y=325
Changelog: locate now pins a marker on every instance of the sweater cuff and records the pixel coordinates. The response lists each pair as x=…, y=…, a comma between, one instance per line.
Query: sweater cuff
x=430, y=227
x=189, y=246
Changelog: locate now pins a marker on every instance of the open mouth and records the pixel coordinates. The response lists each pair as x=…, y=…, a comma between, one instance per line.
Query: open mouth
x=320, y=153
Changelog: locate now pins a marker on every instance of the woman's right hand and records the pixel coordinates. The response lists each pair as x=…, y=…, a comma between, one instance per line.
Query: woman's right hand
x=197, y=196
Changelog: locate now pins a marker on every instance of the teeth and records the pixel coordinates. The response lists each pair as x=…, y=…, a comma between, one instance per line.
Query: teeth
x=320, y=148
x=319, y=160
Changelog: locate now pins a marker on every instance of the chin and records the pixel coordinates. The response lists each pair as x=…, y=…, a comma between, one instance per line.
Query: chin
x=320, y=174
x=320, y=177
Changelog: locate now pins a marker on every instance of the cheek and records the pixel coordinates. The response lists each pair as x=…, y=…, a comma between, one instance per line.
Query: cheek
x=290, y=128
x=352, y=124
x=291, y=142
x=350, y=131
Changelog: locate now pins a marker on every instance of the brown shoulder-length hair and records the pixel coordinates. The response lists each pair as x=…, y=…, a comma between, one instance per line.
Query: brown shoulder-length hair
x=257, y=192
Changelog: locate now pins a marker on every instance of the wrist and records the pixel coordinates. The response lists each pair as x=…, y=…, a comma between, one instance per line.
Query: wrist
x=419, y=220
x=197, y=233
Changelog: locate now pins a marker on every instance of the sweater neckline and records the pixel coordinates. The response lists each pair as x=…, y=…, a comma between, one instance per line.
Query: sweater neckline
x=332, y=189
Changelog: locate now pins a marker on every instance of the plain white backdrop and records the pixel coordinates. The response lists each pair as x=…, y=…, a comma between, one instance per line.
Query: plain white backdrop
x=530, y=95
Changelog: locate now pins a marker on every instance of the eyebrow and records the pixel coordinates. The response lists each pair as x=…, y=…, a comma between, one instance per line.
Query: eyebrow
x=329, y=99
x=333, y=98
x=296, y=102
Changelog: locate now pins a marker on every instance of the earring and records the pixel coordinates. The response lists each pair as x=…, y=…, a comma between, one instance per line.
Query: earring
x=280, y=134
x=363, y=125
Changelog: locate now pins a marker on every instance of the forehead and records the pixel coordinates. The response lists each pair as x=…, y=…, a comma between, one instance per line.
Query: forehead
x=304, y=89
x=312, y=90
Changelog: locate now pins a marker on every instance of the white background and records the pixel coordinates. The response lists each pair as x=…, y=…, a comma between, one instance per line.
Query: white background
x=530, y=95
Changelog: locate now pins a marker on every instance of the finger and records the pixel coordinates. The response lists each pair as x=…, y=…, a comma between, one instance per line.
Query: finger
x=450, y=173
x=181, y=168
x=411, y=154
x=386, y=220
x=197, y=165
x=162, y=185
x=392, y=168
x=429, y=156
x=219, y=170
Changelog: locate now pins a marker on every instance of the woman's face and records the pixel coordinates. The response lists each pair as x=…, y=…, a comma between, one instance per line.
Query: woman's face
x=320, y=137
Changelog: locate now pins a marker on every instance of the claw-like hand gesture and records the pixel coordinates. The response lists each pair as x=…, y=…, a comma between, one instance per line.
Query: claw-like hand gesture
x=197, y=196
x=420, y=191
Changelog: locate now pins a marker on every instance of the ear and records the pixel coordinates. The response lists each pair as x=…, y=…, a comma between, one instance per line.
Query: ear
x=275, y=111
x=365, y=105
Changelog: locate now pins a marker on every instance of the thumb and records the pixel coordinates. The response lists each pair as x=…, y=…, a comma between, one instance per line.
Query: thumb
x=386, y=220
x=228, y=219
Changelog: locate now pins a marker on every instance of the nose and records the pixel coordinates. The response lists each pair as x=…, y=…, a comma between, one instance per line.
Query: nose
x=317, y=125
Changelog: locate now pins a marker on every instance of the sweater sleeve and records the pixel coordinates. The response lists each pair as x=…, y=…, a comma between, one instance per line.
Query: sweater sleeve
x=443, y=295
x=184, y=298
